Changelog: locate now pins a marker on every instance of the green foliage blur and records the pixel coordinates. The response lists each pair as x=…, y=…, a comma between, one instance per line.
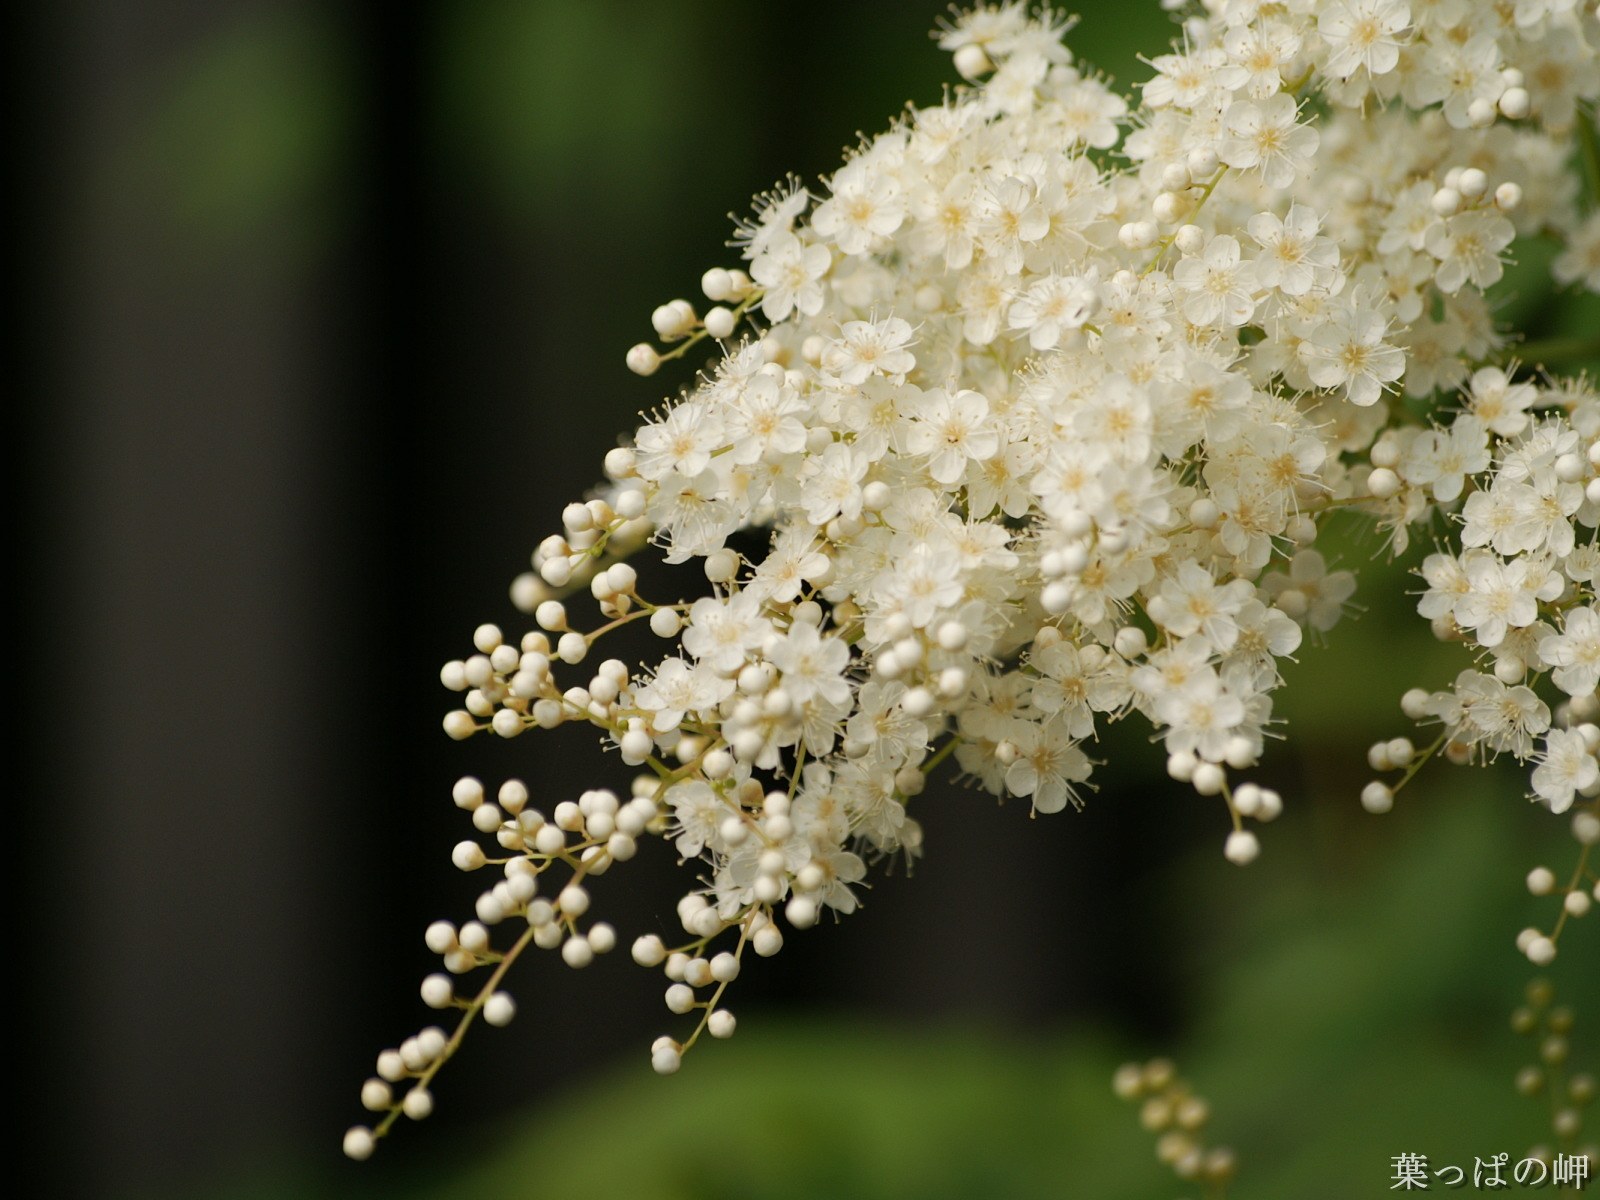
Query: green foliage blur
x=1347, y=996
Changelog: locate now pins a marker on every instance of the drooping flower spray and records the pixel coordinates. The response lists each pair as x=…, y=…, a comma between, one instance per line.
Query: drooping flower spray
x=1037, y=408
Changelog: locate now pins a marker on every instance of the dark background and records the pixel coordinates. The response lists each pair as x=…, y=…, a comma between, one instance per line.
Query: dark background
x=323, y=309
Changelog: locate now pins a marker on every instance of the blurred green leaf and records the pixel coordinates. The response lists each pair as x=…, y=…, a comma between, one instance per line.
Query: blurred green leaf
x=250, y=129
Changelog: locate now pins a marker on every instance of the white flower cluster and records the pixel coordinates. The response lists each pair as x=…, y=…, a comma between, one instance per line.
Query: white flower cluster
x=1030, y=421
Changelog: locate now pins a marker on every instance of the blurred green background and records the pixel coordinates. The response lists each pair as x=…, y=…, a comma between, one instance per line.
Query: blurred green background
x=331, y=302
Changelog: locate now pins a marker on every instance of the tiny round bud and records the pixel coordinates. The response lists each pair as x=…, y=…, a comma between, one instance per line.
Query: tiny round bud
x=1190, y=239
x=1515, y=103
x=1247, y=799
x=643, y=359
x=972, y=62
x=619, y=462
x=1169, y=207
x=440, y=937
x=551, y=615
x=648, y=951
x=1472, y=183
x=1383, y=483
x=1241, y=848
x=467, y=856
x=391, y=1066
x=577, y=953
x=556, y=572
x=1128, y=1082
x=1208, y=778
x=768, y=940
x=720, y=322
x=467, y=793
x=438, y=991
x=573, y=900
x=1414, y=704
x=1204, y=513
x=376, y=1095
x=1377, y=797
x=1508, y=197
x=1130, y=641
x=572, y=648
x=418, y=1103
x=721, y=1024
x=680, y=998
x=666, y=1060
x=1541, y=881
x=1541, y=951
x=1446, y=202
x=499, y=1009
x=359, y=1143
x=1181, y=766
x=801, y=912
x=717, y=284
x=1239, y=752
x=631, y=504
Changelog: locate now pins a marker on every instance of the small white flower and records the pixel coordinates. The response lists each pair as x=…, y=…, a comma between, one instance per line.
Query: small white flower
x=1220, y=288
x=1266, y=137
x=790, y=273
x=1565, y=768
x=1363, y=35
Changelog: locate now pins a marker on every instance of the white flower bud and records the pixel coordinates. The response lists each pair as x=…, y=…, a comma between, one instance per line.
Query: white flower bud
x=1515, y=103
x=717, y=284
x=499, y=1009
x=467, y=856
x=1383, y=483
x=643, y=359
x=1377, y=797
x=418, y=1104
x=1241, y=848
x=972, y=63
x=720, y=322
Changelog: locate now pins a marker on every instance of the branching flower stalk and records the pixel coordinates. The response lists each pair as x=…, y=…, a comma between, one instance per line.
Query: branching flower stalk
x=1169, y=1108
x=1552, y=1080
x=1028, y=420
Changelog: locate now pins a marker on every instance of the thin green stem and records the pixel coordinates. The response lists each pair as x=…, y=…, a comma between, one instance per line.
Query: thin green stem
x=1589, y=152
x=1553, y=352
